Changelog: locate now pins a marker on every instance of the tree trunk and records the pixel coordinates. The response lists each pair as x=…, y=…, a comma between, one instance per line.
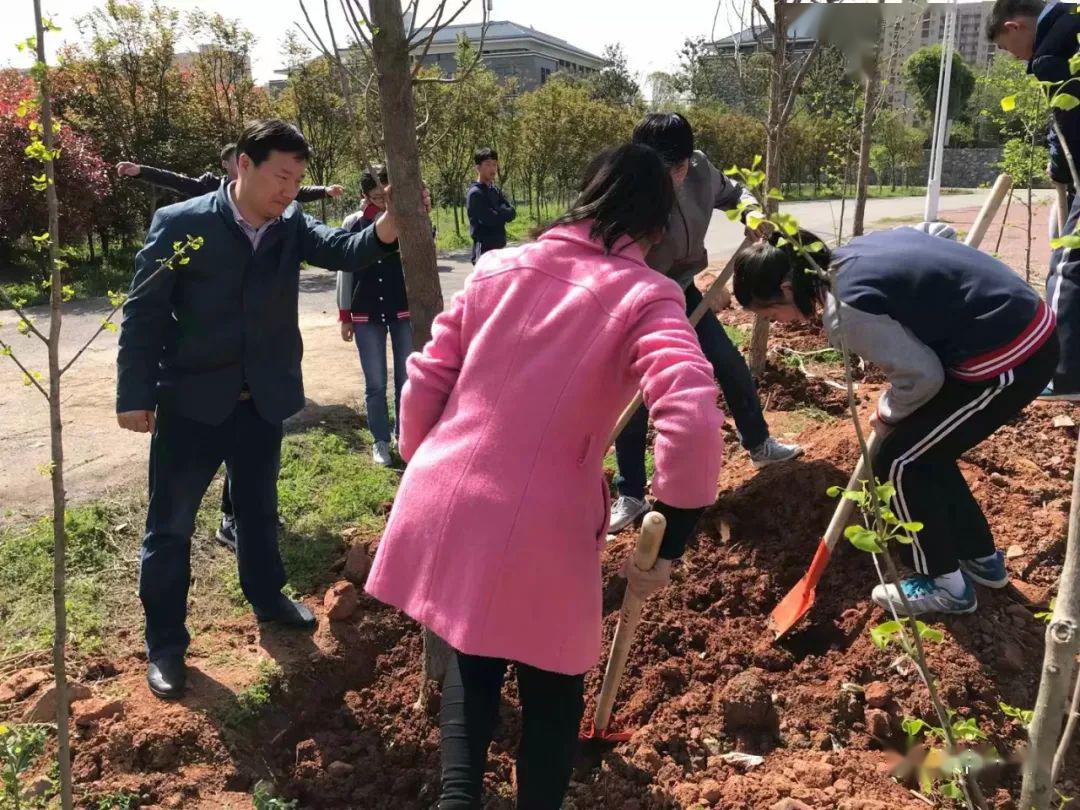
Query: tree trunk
x=862, y=178
x=1027, y=242
x=56, y=427
x=322, y=208
x=1059, y=666
x=90, y=244
x=393, y=64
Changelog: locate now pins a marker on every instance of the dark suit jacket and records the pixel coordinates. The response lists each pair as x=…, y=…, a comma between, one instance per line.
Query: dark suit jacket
x=196, y=334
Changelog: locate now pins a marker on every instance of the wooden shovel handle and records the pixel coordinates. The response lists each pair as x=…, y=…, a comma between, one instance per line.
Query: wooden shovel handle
x=648, y=546
x=842, y=515
x=707, y=301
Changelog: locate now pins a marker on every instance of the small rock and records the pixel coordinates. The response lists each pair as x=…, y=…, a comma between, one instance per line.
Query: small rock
x=1063, y=421
x=814, y=774
x=307, y=751
x=745, y=760
x=341, y=601
x=43, y=709
x=842, y=786
x=686, y=794
x=878, y=695
x=176, y=800
x=999, y=480
x=357, y=565
x=746, y=702
x=1014, y=551
x=711, y=791
x=88, y=712
x=647, y=758
x=339, y=769
x=1012, y=657
x=862, y=804
x=790, y=804
x=879, y=724
x=22, y=684
x=39, y=787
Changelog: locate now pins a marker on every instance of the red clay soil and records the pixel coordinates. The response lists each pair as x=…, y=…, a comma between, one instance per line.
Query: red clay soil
x=823, y=706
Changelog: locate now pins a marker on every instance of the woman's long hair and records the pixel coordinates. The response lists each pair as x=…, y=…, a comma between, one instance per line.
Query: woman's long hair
x=626, y=193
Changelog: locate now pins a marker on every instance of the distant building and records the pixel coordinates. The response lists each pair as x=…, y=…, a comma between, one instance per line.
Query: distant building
x=513, y=51
x=189, y=60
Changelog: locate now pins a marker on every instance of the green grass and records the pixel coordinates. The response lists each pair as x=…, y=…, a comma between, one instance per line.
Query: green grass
x=807, y=194
x=327, y=482
x=447, y=240
x=738, y=335
x=120, y=800
x=88, y=279
x=612, y=467
x=247, y=705
x=828, y=357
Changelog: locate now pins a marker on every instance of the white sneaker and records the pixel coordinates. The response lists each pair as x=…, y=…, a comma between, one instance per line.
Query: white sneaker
x=925, y=596
x=772, y=451
x=625, y=511
x=380, y=454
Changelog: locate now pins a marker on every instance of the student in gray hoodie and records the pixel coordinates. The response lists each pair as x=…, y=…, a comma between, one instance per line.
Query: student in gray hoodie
x=700, y=189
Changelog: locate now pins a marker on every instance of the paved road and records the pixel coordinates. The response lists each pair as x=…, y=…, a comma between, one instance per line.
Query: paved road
x=101, y=457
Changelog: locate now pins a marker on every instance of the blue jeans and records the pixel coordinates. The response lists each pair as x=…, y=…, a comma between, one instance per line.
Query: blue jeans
x=184, y=456
x=371, y=343
x=740, y=393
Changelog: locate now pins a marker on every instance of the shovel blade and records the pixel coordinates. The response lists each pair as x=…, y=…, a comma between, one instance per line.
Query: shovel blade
x=800, y=599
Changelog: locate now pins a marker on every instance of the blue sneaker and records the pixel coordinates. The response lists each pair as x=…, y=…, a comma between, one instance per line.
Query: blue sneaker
x=991, y=573
x=925, y=596
x=1050, y=395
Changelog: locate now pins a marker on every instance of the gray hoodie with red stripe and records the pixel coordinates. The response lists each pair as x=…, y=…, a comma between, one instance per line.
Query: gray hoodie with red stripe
x=921, y=307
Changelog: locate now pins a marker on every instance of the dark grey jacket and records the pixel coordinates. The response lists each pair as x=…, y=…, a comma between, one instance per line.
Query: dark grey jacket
x=682, y=254
x=198, y=333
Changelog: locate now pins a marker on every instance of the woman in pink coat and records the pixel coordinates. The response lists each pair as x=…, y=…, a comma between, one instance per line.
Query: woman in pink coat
x=494, y=540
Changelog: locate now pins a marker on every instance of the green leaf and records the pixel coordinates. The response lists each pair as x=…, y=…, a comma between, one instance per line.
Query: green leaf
x=863, y=539
x=912, y=526
x=927, y=633
x=1074, y=64
x=757, y=162
x=952, y=791
x=885, y=493
x=833, y=492
x=732, y=215
x=815, y=247
x=884, y=634
x=1070, y=241
x=1064, y=101
x=1008, y=104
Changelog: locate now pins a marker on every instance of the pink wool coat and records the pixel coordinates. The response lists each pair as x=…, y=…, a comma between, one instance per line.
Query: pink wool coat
x=494, y=539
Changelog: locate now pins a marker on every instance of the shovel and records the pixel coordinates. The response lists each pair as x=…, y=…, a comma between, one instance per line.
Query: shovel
x=648, y=546
x=800, y=599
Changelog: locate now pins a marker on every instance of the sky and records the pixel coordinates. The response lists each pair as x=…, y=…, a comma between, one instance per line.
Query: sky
x=651, y=40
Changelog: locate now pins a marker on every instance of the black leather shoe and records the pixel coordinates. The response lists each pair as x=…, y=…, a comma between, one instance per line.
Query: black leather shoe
x=167, y=677
x=287, y=613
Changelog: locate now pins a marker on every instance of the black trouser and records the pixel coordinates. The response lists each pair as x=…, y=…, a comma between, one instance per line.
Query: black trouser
x=919, y=458
x=740, y=393
x=551, y=705
x=226, y=500
x=184, y=455
x=1063, y=296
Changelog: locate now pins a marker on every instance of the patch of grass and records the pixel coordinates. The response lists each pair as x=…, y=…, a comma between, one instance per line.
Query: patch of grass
x=874, y=192
x=26, y=570
x=610, y=465
x=738, y=335
x=251, y=702
x=813, y=413
x=264, y=799
x=89, y=279
x=828, y=357
x=447, y=240
x=120, y=800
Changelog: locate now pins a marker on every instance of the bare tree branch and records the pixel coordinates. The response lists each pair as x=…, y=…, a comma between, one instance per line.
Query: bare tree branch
x=419, y=29
x=28, y=375
x=800, y=76
x=461, y=75
x=314, y=31
x=364, y=16
x=354, y=28
x=23, y=317
x=410, y=12
x=427, y=45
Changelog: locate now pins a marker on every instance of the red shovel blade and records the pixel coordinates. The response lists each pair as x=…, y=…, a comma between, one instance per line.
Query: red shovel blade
x=605, y=734
x=800, y=599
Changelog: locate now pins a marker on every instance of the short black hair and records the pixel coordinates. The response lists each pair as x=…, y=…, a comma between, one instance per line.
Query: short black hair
x=228, y=152
x=670, y=134
x=367, y=179
x=484, y=154
x=260, y=138
x=1005, y=10
x=626, y=191
x=761, y=269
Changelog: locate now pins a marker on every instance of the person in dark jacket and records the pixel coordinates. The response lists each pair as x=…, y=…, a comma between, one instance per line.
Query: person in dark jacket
x=188, y=187
x=700, y=190
x=372, y=305
x=488, y=209
x=1045, y=35
x=966, y=346
x=209, y=363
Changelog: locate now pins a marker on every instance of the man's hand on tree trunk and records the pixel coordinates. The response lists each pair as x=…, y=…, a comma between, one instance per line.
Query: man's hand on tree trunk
x=386, y=226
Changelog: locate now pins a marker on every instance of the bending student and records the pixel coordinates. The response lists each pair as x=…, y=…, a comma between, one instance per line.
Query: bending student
x=966, y=345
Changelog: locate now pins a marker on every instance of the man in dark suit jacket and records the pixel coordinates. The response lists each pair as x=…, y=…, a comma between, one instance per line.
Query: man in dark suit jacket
x=1045, y=35
x=209, y=363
